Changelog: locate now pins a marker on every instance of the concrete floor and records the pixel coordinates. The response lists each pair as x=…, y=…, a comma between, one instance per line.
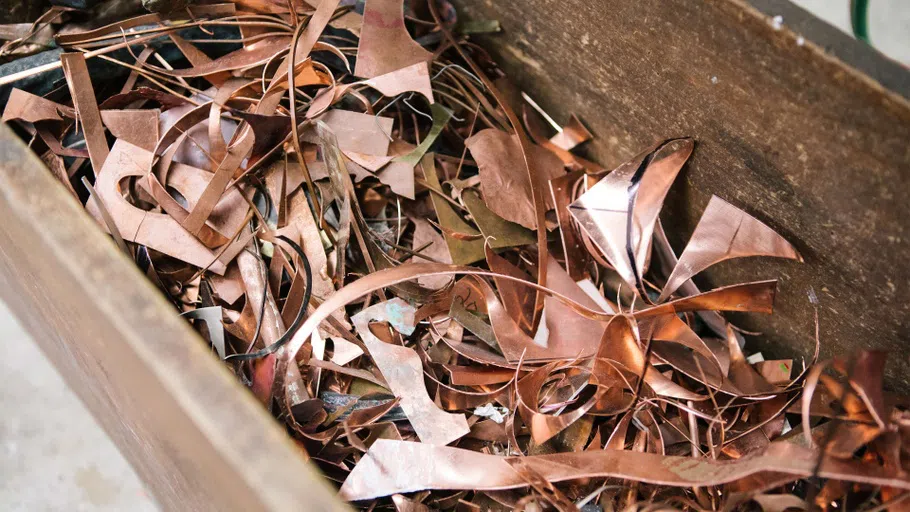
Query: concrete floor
x=889, y=23
x=54, y=455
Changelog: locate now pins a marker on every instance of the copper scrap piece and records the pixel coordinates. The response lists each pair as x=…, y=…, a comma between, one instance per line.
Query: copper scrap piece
x=431, y=245
x=461, y=251
x=572, y=135
x=517, y=299
x=27, y=107
x=866, y=378
x=619, y=212
x=498, y=232
x=545, y=426
x=414, y=78
x=725, y=232
x=507, y=190
x=385, y=44
x=80, y=84
x=572, y=246
x=570, y=335
x=156, y=230
x=138, y=127
x=361, y=134
x=403, y=371
x=399, y=467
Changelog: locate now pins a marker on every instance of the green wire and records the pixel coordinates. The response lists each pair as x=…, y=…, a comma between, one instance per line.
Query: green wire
x=859, y=19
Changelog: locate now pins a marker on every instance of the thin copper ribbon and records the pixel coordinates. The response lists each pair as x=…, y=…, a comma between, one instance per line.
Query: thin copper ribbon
x=544, y=426
x=80, y=85
x=392, y=467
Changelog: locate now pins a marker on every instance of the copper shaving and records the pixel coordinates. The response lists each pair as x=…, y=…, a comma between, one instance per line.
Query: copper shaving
x=445, y=303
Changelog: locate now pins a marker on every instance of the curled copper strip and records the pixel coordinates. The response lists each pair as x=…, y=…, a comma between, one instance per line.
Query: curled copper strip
x=619, y=212
x=545, y=426
x=620, y=343
x=757, y=296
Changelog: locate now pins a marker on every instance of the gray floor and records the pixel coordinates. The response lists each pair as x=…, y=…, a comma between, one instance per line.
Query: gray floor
x=54, y=455
x=889, y=23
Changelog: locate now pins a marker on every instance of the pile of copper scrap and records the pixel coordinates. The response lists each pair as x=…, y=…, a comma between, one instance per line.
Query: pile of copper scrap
x=410, y=266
